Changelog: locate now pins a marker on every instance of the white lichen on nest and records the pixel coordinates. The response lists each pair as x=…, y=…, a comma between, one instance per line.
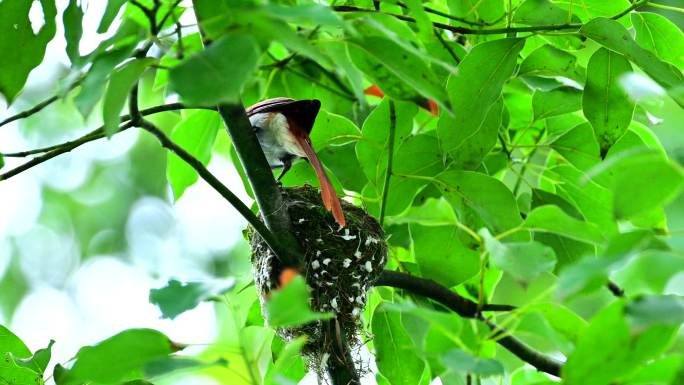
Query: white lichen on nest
x=340, y=265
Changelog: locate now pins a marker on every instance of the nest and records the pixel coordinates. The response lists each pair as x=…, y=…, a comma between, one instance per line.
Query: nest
x=340, y=264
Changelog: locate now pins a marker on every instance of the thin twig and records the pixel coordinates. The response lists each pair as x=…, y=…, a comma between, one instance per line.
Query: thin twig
x=615, y=289
x=168, y=14
x=64, y=148
x=149, y=14
x=390, y=158
x=38, y=107
x=58, y=149
x=446, y=46
x=124, y=118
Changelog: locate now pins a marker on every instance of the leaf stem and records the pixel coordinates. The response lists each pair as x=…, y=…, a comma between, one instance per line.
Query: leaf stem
x=666, y=7
x=390, y=159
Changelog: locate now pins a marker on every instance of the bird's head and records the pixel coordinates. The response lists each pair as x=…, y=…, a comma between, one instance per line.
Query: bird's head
x=299, y=114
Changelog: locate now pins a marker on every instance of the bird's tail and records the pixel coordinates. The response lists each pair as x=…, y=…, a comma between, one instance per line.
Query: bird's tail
x=330, y=199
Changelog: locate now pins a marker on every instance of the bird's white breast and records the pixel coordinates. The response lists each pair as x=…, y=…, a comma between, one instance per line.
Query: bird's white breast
x=275, y=136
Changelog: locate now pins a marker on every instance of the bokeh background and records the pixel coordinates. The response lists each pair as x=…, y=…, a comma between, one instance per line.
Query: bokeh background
x=84, y=237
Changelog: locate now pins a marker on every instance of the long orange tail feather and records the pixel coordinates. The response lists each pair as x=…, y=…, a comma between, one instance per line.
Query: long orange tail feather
x=330, y=199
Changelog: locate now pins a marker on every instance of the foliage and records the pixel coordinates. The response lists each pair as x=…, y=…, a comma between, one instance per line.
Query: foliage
x=525, y=153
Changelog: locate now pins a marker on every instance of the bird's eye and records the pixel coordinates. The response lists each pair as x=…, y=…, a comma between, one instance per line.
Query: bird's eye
x=256, y=129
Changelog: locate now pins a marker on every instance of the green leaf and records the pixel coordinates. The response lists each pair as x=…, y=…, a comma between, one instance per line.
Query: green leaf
x=314, y=14
x=659, y=35
x=449, y=324
x=592, y=273
x=561, y=319
x=434, y=212
x=651, y=271
x=73, y=30
x=290, y=306
x=345, y=167
x=558, y=101
x=475, y=88
x=541, y=12
x=422, y=19
x=10, y=343
x=332, y=129
x=594, y=201
x=474, y=146
x=2, y=161
x=218, y=73
x=663, y=370
x=477, y=10
x=395, y=354
x=120, y=84
x=614, y=36
x=121, y=357
x=418, y=157
x=171, y=364
x=548, y=60
x=590, y=9
x=438, y=246
x=371, y=150
x=609, y=351
x=18, y=40
x=602, y=350
x=176, y=297
x=641, y=180
x=196, y=134
x=112, y=9
x=405, y=65
x=11, y=373
x=605, y=102
x=39, y=361
x=552, y=219
x=93, y=85
x=256, y=344
x=656, y=310
x=579, y=147
x=474, y=194
x=289, y=365
x=524, y=261
x=390, y=83
x=459, y=361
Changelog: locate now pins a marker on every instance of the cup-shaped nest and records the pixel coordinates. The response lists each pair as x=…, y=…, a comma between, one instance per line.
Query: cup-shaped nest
x=340, y=264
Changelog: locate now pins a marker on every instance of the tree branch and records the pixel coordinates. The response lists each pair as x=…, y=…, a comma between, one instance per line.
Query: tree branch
x=468, y=309
x=491, y=31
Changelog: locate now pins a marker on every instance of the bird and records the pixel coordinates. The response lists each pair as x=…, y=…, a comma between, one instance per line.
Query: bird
x=282, y=126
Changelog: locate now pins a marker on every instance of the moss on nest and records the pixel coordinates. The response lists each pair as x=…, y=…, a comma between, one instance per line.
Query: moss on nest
x=340, y=264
